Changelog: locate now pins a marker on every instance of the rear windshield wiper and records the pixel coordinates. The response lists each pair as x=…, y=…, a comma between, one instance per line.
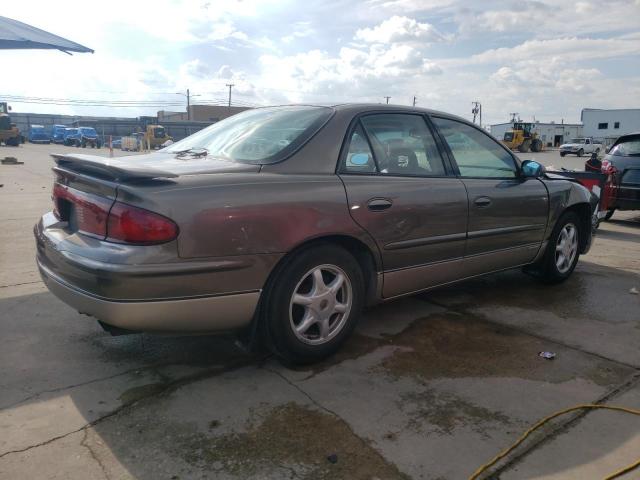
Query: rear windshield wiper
x=195, y=152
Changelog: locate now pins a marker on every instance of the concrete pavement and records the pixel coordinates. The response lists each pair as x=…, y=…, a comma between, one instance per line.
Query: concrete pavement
x=429, y=387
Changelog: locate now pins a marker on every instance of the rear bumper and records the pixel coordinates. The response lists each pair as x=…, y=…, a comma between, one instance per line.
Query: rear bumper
x=191, y=315
x=149, y=288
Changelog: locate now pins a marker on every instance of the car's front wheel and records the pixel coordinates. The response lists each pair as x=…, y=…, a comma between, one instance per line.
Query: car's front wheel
x=312, y=304
x=563, y=250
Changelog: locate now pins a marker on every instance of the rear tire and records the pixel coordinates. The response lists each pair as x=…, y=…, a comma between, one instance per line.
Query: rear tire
x=524, y=146
x=562, y=154
x=580, y=152
x=312, y=304
x=536, y=145
x=563, y=251
x=609, y=214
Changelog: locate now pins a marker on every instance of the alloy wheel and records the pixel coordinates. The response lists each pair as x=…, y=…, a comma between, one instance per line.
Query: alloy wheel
x=320, y=304
x=566, y=247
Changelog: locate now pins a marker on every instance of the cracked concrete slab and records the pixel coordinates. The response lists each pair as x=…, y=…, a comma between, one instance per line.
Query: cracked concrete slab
x=601, y=443
x=452, y=380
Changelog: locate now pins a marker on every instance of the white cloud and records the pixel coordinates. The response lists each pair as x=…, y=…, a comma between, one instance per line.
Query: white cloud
x=572, y=49
x=399, y=29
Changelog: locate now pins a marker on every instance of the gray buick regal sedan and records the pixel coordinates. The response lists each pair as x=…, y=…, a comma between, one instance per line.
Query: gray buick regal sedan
x=284, y=222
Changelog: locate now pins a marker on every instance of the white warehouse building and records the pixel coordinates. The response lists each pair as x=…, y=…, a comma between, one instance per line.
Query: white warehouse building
x=606, y=125
x=552, y=134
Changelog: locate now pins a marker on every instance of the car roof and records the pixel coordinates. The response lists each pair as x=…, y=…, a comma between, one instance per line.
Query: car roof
x=625, y=137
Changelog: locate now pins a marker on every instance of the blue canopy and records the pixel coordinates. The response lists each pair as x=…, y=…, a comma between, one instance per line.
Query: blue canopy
x=18, y=35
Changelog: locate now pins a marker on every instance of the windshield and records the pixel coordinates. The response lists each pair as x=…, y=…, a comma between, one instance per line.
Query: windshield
x=37, y=129
x=577, y=140
x=159, y=132
x=88, y=130
x=259, y=136
x=627, y=149
x=72, y=131
x=508, y=136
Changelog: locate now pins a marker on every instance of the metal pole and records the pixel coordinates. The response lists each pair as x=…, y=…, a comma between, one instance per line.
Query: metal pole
x=188, y=105
x=230, y=85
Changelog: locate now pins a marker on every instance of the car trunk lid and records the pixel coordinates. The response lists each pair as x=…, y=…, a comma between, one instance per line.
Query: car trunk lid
x=149, y=166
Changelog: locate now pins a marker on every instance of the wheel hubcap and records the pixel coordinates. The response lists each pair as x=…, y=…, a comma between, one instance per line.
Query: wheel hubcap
x=320, y=304
x=566, y=247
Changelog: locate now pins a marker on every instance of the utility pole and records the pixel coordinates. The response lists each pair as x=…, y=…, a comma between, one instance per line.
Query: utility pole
x=230, y=85
x=477, y=109
x=414, y=100
x=387, y=100
x=513, y=116
x=188, y=96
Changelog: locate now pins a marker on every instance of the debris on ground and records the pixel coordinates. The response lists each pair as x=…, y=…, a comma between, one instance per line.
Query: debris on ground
x=11, y=161
x=333, y=458
x=547, y=355
x=634, y=291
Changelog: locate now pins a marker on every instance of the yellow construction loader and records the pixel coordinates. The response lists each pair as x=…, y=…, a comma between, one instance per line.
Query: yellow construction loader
x=522, y=138
x=154, y=136
x=9, y=133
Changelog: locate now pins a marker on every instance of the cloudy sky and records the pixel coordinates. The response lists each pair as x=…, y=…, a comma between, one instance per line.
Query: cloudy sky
x=547, y=58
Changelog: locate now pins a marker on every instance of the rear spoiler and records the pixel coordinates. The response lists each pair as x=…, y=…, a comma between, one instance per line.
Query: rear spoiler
x=114, y=169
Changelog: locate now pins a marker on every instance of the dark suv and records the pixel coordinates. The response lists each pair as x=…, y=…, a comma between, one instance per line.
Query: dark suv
x=624, y=158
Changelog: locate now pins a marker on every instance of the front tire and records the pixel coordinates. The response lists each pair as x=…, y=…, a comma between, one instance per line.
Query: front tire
x=580, y=152
x=562, y=154
x=563, y=250
x=609, y=214
x=312, y=304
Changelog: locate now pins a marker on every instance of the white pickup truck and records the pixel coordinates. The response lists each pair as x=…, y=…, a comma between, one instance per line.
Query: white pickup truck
x=580, y=146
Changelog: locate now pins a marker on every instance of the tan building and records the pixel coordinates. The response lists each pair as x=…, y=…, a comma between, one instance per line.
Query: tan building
x=200, y=113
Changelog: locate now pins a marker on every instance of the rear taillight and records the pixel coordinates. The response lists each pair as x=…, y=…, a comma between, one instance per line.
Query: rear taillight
x=607, y=167
x=129, y=224
x=87, y=212
x=108, y=220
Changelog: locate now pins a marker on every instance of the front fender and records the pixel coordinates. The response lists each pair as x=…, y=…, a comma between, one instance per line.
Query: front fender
x=565, y=194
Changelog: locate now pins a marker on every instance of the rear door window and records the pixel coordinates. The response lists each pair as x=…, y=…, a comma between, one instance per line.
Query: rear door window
x=403, y=145
x=359, y=158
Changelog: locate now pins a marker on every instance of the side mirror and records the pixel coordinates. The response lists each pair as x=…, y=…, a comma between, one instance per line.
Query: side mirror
x=532, y=169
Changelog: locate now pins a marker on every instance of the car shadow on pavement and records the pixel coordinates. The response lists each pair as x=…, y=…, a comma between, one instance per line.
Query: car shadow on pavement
x=455, y=368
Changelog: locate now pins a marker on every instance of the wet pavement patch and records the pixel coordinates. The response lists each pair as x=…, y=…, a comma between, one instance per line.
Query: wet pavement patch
x=444, y=412
x=290, y=440
x=455, y=345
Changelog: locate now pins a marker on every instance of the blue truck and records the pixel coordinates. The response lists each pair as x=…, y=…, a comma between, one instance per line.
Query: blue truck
x=37, y=134
x=82, y=137
x=57, y=133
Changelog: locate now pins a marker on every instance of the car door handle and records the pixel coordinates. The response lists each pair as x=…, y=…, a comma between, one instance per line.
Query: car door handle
x=379, y=204
x=482, y=201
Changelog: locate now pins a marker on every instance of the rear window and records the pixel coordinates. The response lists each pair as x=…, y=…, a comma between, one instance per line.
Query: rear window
x=630, y=148
x=259, y=136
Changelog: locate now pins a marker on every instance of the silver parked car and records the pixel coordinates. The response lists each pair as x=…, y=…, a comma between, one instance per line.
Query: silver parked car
x=286, y=221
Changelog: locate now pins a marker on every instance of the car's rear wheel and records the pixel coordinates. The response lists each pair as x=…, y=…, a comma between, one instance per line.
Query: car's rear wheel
x=562, y=154
x=580, y=152
x=312, y=304
x=563, y=250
